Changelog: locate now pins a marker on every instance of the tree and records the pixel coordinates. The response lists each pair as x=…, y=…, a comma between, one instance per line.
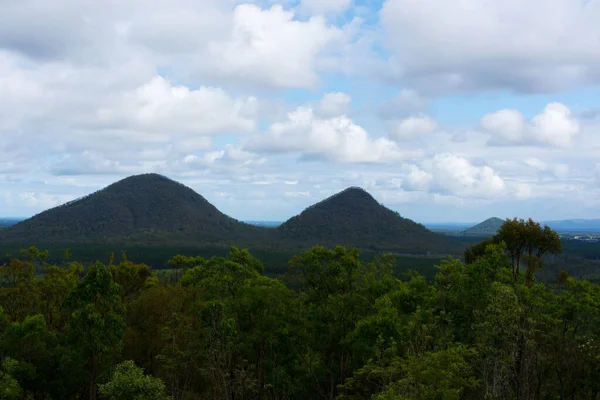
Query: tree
x=96, y=320
x=31, y=346
x=128, y=382
x=525, y=241
x=130, y=276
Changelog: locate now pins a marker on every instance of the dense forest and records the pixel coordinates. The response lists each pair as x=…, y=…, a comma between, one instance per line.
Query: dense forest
x=332, y=327
x=153, y=210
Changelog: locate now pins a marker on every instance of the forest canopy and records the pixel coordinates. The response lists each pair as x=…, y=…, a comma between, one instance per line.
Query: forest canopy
x=332, y=327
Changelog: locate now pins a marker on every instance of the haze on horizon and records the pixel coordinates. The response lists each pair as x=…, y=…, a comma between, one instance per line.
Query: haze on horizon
x=436, y=111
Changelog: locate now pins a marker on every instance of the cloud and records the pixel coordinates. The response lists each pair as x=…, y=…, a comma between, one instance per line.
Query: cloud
x=333, y=104
x=449, y=174
x=412, y=127
x=475, y=45
x=90, y=163
x=407, y=102
x=336, y=139
x=221, y=41
x=555, y=126
x=270, y=47
x=158, y=106
x=551, y=170
x=590, y=113
x=42, y=200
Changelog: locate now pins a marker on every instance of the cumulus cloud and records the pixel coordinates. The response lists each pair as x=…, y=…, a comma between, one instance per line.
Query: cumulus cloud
x=555, y=126
x=454, y=175
x=412, y=127
x=475, y=45
x=219, y=40
x=161, y=107
x=335, y=139
x=269, y=46
x=333, y=104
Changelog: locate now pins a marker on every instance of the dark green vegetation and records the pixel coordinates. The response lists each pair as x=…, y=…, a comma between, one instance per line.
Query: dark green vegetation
x=153, y=210
x=148, y=209
x=354, y=218
x=488, y=227
x=333, y=326
x=158, y=257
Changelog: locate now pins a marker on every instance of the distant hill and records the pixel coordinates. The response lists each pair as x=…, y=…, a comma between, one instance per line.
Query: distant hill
x=488, y=227
x=574, y=225
x=146, y=209
x=354, y=218
x=5, y=222
x=268, y=224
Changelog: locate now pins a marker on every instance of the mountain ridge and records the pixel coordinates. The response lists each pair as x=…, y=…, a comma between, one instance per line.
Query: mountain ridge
x=152, y=208
x=488, y=227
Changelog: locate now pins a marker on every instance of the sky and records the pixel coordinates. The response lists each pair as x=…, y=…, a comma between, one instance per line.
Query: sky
x=443, y=111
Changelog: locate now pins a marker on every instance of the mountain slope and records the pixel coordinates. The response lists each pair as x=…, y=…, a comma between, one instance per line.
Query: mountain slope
x=354, y=218
x=488, y=227
x=145, y=208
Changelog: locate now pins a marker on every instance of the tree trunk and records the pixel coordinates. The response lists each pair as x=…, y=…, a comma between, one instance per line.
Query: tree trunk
x=92, y=377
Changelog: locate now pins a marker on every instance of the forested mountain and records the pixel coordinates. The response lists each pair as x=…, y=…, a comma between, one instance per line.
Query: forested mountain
x=152, y=209
x=486, y=228
x=354, y=218
x=147, y=208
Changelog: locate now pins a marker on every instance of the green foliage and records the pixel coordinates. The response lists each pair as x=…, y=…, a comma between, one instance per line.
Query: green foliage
x=128, y=382
x=9, y=386
x=96, y=321
x=338, y=325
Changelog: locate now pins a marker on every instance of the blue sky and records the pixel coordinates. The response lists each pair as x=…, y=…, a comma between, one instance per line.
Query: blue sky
x=442, y=112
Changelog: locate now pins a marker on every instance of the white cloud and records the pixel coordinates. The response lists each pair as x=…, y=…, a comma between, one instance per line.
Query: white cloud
x=335, y=139
x=556, y=170
x=555, y=126
x=453, y=175
x=210, y=39
x=230, y=161
x=270, y=47
x=333, y=104
x=42, y=200
x=160, y=107
x=418, y=179
x=509, y=124
x=412, y=127
x=493, y=45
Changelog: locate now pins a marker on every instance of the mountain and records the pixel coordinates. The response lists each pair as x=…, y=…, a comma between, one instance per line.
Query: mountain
x=488, y=227
x=143, y=209
x=354, y=218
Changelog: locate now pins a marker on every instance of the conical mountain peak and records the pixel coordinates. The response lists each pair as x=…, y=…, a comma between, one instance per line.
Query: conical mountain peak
x=354, y=218
x=141, y=208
